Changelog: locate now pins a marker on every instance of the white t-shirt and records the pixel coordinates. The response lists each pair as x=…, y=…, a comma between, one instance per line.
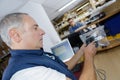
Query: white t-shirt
x=38, y=73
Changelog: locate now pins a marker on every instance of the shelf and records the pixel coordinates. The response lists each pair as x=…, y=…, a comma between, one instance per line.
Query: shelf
x=113, y=43
x=83, y=7
x=86, y=11
x=63, y=37
x=4, y=57
x=64, y=26
x=105, y=5
x=97, y=21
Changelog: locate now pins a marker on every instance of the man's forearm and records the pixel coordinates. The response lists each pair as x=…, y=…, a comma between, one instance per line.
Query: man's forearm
x=88, y=72
x=74, y=60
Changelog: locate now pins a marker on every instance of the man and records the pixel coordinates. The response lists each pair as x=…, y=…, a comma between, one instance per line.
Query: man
x=74, y=25
x=29, y=62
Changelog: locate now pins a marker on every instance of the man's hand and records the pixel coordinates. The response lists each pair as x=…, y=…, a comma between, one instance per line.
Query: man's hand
x=88, y=72
x=90, y=50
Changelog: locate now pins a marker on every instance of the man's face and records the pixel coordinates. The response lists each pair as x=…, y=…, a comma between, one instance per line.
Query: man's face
x=71, y=22
x=32, y=37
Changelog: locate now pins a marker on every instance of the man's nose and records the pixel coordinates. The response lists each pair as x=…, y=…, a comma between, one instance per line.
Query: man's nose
x=42, y=32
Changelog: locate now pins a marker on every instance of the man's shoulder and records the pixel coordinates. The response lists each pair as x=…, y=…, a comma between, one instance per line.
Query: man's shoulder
x=79, y=23
x=38, y=72
x=25, y=73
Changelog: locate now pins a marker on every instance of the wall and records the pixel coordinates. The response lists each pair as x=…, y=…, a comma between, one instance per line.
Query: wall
x=38, y=13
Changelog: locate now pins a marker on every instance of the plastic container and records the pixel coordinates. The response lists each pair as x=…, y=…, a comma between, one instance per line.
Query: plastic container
x=97, y=35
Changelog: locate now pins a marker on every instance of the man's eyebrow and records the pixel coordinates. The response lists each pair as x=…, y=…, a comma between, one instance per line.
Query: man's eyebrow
x=36, y=25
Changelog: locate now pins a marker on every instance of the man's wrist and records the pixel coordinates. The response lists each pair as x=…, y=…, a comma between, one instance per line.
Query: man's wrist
x=89, y=57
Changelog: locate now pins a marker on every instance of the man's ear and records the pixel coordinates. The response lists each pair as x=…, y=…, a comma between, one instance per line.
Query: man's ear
x=15, y=35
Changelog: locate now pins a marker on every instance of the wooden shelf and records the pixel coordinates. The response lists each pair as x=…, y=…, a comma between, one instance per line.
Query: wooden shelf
x=113, y=43
x=3, y=58
x=105, y=8
x=61, y=28
x=97, y=21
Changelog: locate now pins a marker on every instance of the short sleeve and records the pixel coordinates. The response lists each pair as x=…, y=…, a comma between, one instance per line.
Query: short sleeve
x=38, y=73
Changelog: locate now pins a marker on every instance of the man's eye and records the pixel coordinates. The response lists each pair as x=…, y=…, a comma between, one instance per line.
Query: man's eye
x=36, y=28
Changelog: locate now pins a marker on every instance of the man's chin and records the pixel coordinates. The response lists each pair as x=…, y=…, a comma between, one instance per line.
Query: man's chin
x=39, y=47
